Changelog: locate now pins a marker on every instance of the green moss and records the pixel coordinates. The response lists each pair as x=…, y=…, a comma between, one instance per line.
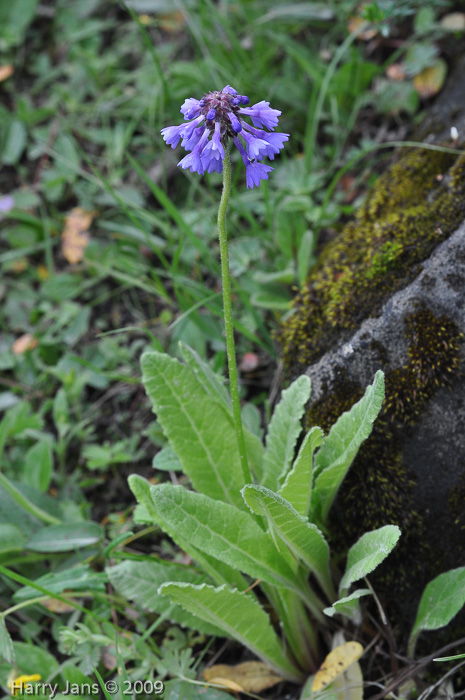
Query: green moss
x=378, y=489
x=414, y=206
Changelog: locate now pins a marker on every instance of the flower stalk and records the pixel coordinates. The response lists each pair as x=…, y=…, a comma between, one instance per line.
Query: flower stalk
x=228, y=321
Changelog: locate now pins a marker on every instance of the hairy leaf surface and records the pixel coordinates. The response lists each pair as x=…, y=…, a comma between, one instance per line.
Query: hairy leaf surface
x=198, y=426
x=139, y=582
x=367, y=553
x=297, y=488
x=304, y=539
x=333, y=460
x=283, y=431
x=442, y=599
x=218, y=571
x=239, y=615
x=224, y=532
x=348, y=606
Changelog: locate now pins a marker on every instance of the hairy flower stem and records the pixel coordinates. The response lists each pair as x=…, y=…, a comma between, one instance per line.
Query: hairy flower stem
x=227, y=308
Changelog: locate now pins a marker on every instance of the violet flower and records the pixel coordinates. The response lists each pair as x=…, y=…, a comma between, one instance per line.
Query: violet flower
x=215, y=119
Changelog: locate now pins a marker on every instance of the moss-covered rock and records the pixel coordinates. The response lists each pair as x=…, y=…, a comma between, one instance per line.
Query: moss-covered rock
x=389, y=293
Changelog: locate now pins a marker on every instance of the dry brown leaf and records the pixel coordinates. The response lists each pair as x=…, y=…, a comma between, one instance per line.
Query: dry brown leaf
x=354, y=24
x=249, y=677
x=454, y=21
x=19, y=265
x=58, y=606
x=6, y=71
x=337, y=661
x=109, y=658
x=75, y=237
x=172, y=22
x=24, y=343
x=430, y=80
x=396, y=71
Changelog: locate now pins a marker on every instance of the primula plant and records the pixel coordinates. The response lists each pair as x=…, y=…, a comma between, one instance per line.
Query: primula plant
x=258, y=514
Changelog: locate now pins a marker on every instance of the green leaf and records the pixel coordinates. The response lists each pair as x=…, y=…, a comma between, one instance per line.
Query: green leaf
x=213, y=385
x=78, y=578
x=333, y=460
x=167, y=460
x=139, y=582
x=11, y=538
x=61, y=412
x=218, y=571
x=367, y=553
x=14, y=143
x=304, y=539
x=211, y=382
x=199, y=427
x=304, y=256
x=240, y=616
x=7, y=651
x=65, y=537
x=224, y=532
x=348, y=606
x=283, y=431
x=31, y=658
x=38, y=465
x=442, y=599
x=297, y=488
x=34, y=504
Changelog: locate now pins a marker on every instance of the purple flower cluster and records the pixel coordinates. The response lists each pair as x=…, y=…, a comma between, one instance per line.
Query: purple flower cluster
x=219, y=115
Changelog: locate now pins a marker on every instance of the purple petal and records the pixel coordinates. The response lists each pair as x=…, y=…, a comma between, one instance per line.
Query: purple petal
x=269, y=143
x=190, y=108
x=193, y=160
x=262, y=114
x=241, y=149
x=190, y=143
x=6, y=203
x=235, y=123
x=172, y=134
x=256, y=147
x=230, y=90
x=255, y=172
x=216, y=140
x=211, y=114
x=211, y=159
x=188, y=129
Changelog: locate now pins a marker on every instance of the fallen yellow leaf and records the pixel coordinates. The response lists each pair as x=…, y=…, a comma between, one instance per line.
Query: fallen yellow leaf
x=5, y=72
x=24, y=343
x=354, y=24
x=248, y=677
x=172, y=22
x=454, y=21
x=431, y=79
x=75, y=237
x=226, y=683
x=42, y=272
x=349, y=685
x=57, y=606
x=337, y=661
